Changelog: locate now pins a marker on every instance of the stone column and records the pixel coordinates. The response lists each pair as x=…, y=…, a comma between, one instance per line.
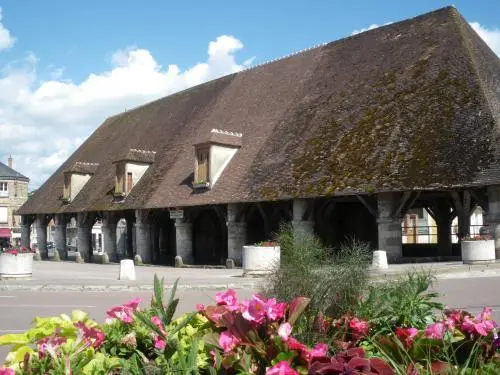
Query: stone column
x=41, y=236
x=184, y=240
x=25, y=231
x=109, y=236
x=84, y=236
x=236, y=234
x=143, y=243
x=300, y=220
x=60, y=235
x=389, y=227
x=494, y=216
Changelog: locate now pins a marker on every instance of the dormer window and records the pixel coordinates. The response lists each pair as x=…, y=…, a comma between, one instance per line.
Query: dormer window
x=130, y=169
x=212, y=155
x=75, y=179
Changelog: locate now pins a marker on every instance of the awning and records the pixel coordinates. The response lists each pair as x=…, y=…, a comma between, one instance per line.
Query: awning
x=5, y=233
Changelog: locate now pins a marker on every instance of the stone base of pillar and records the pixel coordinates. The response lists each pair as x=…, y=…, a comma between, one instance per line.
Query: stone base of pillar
x=84, y=243
x=389, y=238
x=143, y=242
x=60, y=241
x=184, y=241
x=236, y=239
x=304, y=226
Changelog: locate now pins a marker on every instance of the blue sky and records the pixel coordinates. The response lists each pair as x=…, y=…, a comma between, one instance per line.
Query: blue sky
x=67, y=65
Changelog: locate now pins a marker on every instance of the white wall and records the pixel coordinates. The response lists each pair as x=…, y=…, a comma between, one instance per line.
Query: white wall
x=137, y=171
x=78, y=181
x=220, y=156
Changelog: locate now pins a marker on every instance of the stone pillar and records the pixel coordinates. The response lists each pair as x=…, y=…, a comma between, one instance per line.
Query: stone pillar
x=300, y=220
x=389, y=227
x=494, y=216
x=236, y=234
x=109, y=236
x=41, y=236
x=84, y=236
x=25, y=231
x=143, y=243
x=60, y=235
x=184, y=240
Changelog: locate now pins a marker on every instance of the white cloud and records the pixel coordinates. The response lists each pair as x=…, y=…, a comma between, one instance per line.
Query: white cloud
x=6, y=40
x=371, y=27
x=44, y=122
x=490, y=36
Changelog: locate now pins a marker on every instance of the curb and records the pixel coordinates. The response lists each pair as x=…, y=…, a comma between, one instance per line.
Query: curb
x=119, y=288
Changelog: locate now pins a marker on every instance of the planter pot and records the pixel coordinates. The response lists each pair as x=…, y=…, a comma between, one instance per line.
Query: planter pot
x=16, y=266
x=474, y=252
x=258, y=260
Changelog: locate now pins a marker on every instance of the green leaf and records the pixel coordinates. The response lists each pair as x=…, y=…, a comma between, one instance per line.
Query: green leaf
x=14, y=339
x=212, y=338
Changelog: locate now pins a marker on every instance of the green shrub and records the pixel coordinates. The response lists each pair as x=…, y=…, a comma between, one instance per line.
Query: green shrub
x=333, y=279
x=404, y=302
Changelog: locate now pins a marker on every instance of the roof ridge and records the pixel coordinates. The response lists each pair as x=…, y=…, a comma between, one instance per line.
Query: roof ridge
x=462, y=24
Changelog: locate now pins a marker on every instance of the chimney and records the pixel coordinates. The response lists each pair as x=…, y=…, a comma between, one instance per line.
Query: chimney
x=9, y=161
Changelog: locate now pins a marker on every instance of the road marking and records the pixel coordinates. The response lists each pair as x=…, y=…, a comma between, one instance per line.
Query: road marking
x=7, y=296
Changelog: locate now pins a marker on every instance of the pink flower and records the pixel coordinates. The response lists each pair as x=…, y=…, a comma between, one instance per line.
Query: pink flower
x=228, y=341
x=281, y=368
x=294, y=344
x=133, y=304
x=275, y=310
x=435, y=331
x=228, y=299
x=122, y=313
x=6, y=371
x=200, y=307
x=158, y=342
x=406, y=335
x=257, y=309
x=284, y=331
x=359, y=328
x=486, y=314
x=91, y=336
x=319, y=350
x=157, y=322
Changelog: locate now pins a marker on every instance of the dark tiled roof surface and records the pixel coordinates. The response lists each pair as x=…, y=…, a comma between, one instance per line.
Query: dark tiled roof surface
x=82, y=167
x=7, y=173
x=411, y=105
x=142, y=156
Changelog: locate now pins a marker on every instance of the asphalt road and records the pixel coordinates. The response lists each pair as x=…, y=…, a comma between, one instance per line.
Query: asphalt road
x=17, y=309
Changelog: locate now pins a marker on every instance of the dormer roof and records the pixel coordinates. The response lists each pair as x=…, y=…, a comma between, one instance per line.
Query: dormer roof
x=136, y=155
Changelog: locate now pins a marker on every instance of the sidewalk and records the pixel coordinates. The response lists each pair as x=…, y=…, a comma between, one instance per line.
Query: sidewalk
x=71, y=276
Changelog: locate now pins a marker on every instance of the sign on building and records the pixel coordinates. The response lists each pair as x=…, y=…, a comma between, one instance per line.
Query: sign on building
x=177, y=214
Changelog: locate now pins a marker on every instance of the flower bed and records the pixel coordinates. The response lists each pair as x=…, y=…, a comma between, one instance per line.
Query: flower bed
x=260, y=336
x=260, y=258
x=16, y=263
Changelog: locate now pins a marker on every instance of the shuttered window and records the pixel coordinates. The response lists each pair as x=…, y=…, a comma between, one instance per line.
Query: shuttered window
x=119, y=179
x=67, y=187
x=129, y=182
x=202, y=169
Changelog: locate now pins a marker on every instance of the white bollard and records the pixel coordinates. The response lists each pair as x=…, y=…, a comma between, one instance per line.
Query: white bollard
x=127, y=270
x=379, y=260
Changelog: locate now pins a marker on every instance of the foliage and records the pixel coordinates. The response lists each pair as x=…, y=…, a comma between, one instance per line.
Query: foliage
x=331, y=278
x=399, y=303
x=263, y=336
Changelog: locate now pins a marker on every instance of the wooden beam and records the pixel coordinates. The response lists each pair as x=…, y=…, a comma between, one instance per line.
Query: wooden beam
x=368, y=206
x=404, y=199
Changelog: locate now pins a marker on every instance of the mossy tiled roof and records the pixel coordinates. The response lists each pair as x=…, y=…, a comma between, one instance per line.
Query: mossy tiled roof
x=411, y=105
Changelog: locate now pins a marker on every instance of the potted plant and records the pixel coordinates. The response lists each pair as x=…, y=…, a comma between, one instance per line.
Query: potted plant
x=16, y=263
x=260, y=258
x=478, y=248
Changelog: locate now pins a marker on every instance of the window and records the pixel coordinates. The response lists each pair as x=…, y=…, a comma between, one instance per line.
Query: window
x=3, y=215
x=67, y=187
x=4, y=190
x=119, y=179
x=129, y=182
x=202, y=166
